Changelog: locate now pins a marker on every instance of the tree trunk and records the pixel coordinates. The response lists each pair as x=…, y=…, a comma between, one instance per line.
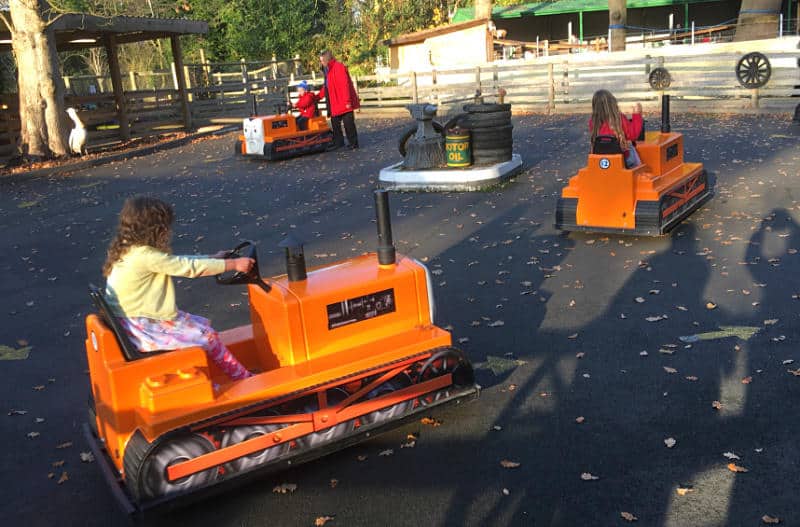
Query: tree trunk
x=44, y=130
x=483, y=9
x=758, y=19
x=617, y=18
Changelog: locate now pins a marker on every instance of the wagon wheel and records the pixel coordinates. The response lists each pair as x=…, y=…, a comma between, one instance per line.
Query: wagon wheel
x=660, y=79
x=753, y=70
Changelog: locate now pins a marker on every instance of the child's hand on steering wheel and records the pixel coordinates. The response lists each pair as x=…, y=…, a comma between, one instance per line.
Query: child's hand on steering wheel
x=240, y=265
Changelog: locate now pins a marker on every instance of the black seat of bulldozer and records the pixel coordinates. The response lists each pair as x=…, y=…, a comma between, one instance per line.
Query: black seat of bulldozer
x=129, y=350
x=606, y=144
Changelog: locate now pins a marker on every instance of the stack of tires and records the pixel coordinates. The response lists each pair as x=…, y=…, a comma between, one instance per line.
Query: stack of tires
x=490, y=127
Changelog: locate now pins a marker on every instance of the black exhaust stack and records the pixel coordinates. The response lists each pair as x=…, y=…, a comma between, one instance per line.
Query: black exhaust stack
x=665, y=114
x=295, y=259
x=255, y=106
x=386, y=251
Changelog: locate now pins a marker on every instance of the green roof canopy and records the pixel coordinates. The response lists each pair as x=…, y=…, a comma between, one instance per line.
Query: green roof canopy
x=559, y=7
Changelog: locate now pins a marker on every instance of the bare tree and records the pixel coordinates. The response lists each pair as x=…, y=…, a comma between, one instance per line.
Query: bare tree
x=758, y=19
x=44, y=130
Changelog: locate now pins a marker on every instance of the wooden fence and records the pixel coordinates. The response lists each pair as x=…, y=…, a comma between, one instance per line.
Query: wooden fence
x=697, y=82
x=223, y=93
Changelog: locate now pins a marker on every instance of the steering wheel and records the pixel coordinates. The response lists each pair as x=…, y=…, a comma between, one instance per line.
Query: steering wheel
x=245, y=249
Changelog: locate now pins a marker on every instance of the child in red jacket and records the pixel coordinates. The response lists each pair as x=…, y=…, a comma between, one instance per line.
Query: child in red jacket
x=607, y=120
x=306, y=104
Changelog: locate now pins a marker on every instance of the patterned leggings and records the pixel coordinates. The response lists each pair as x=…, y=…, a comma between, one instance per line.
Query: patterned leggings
x=184, y=331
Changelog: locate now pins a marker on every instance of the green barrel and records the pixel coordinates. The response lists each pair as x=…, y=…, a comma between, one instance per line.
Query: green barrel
x=457, y=148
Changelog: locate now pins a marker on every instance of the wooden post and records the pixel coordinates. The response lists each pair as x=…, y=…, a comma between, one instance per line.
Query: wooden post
x=434, y=86
x=274, y=68
x=245, y=77
x=551, y=88
x=296, y=65
x=754, y=98
x=188, y=81
x=110, y=42
x=132, y=78
x=478, y=78
x=414, y=93
x=177, y=55
x=174, y=75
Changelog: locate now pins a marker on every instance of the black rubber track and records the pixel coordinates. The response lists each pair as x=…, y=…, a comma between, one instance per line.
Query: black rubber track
x=486, y=108
x=135, y=452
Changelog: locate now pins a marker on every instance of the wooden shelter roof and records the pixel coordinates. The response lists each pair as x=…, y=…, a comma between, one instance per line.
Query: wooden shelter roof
x=80, y=30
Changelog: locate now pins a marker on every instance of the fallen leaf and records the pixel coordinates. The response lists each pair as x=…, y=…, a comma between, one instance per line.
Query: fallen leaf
x=711, y=305
x=670, y=442
x=322, y=520
x=796, y=372
x=87, y=457
x=57, y=464
x=627, y=516
x=512, y=387
x=9, y=353
x=670, y=370
x=716, y=405
x=580, y=419
x=509, y=464
x=506, y=492
x=64, y=477
x=581, y=355
x=361, y=458
x=770, y=519
x=683, y=491
x=387, y=452
x=33, y=434
x=733, y=467
x=586, y=476
x=731, y=455
x=573, y=336
x=691, y=378
x=430, y=421
x=497, y=324
x=333, y=483
x=656, y=318
x=17, y=412
x=283, y=488
x=639, y=300
x=770, y=321
x=64, y=445
x=747, y=380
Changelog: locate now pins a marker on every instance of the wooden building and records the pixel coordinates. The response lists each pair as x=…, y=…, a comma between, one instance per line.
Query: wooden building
x=469, y=42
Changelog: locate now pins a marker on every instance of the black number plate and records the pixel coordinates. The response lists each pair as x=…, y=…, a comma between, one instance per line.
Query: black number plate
x=360, y=308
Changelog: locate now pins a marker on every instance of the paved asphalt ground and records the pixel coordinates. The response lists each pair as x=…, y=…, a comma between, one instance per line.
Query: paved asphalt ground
x=572, y=343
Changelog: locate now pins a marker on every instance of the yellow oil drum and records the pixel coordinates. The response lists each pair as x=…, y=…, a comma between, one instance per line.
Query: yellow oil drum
x=457, y=148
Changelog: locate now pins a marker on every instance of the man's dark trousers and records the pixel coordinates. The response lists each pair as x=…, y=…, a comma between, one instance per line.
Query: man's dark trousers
x=349, y=121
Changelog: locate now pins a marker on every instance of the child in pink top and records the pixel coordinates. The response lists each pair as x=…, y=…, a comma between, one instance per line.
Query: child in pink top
x=607, y=120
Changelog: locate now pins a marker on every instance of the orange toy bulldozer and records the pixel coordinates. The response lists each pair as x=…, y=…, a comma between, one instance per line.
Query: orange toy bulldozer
x=279, y=136
x=344, y=351
x=648, y=200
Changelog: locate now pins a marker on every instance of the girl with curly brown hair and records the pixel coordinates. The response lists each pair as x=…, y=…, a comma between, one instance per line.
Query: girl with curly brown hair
x=608, y=120
x=139, y=286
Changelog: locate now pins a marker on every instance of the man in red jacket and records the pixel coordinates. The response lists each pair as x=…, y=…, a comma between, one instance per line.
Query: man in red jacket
x=342, y=100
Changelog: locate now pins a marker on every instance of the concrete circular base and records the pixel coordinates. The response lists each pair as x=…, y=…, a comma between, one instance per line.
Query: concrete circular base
x=454, y=179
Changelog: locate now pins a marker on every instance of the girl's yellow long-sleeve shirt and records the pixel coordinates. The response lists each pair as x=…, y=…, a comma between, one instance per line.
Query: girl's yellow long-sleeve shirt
x=140, y=284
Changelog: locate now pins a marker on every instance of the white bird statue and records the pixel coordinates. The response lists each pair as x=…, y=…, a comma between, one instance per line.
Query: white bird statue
x=77, y=136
